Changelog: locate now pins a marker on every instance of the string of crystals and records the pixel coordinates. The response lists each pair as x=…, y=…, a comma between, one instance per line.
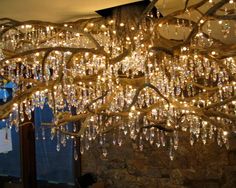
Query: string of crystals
x=146, y=96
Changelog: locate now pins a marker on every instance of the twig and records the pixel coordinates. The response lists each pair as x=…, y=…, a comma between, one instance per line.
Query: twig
x=221, y=103
x=135, y=98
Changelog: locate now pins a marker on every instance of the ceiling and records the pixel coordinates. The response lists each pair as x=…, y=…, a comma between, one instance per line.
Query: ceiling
x=68, y=10
x=71, y=10
x=55, y=11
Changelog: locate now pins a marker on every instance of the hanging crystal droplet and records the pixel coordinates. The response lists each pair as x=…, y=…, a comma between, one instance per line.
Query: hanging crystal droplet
x=104, y=152
x=219, y=141
x=17, y=127
x=141, y=143
x=171, y=150
x=29, y=115
x=114, y=139
x=22, y=118
x=43, y=134
x=100, y=139
x=176, y=140
x=227, y=145
x=74, y=127
x=162, y=138
x=63, y=140
x=75, y=155
x=171, y=154
x=53, y=131
x=36, y=135
x=119, y=138
x=6, y=134
x=4, y=95
x=81, y=148
x=86, y=144
x=111, y=88
x=158, y=142
x=191, y=139
x=58, y=146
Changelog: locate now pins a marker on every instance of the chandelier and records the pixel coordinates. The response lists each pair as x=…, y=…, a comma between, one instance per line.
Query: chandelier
x=123, y=76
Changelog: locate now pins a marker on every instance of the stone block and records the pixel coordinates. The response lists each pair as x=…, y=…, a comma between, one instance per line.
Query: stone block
x=232, y=142
x=214, y=171
x=165, y=183
x=232, y=157
x=182, y=176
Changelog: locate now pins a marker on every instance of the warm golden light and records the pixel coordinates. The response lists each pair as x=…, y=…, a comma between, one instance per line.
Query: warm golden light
x=124, y=78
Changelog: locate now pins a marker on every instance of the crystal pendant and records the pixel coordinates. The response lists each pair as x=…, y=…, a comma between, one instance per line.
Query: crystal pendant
x=75, y=155
x=104, y=152
x=4, y=95
x=43, y=134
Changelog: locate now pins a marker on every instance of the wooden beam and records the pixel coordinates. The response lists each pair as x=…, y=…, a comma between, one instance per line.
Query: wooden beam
x=77, y=164
x=27, y=150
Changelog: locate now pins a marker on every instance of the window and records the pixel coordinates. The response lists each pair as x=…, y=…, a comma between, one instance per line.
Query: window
x=9, y=138
x=54, y=163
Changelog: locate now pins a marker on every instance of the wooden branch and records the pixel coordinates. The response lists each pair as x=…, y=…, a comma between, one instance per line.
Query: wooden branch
x=15, y=24
x=158, y=126
x=46, y=54
x=135, y=98
x=166, y=50
x=213, y=122
x=112, y=61
x=186, y=4
x=72, y=134
x=120, y=57
x=94, y=101
x=69, y=62
x=223, y=17
x=23, y=95
x=220, y=64
x=221, y=103
x=71, y=118
x=146, y=11
x=158, y=92
x=210, y=12
x=214, y=113
x=192, y=7
x=8, y=20
x=6, y=109
x=203, y=87
x=170, y=47
x=50, y=49
x=64, y=122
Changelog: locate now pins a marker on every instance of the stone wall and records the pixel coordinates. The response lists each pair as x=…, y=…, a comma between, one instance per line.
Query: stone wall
x=204, y=166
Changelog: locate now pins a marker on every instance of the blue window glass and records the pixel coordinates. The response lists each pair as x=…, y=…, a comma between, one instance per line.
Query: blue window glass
x=9, y=138
x=54, y=163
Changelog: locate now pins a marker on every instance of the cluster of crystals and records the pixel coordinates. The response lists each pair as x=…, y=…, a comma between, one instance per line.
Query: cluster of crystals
x=226, y=26
x=207, y=27
x=63, y=82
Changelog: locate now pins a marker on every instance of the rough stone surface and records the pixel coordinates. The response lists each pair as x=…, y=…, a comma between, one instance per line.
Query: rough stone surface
x=204, y=166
